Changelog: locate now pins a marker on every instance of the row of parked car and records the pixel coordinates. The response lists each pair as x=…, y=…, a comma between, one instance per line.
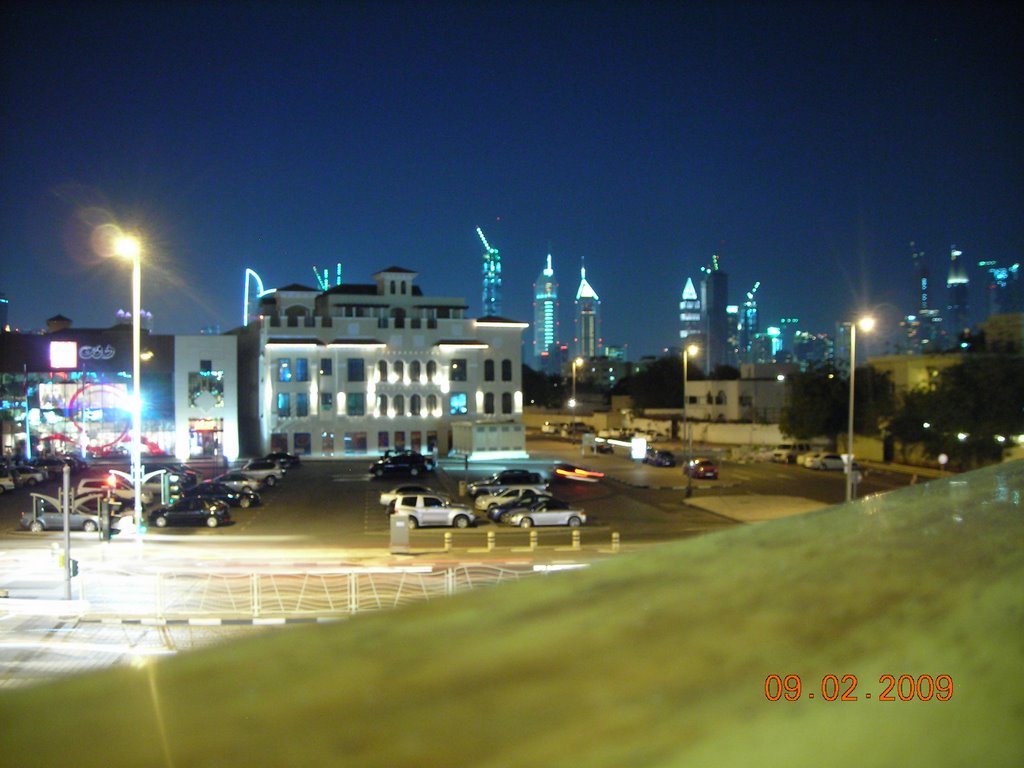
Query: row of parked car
x=197, y=502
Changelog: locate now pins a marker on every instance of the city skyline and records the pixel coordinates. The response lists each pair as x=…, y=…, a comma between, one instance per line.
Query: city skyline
x=803, y=144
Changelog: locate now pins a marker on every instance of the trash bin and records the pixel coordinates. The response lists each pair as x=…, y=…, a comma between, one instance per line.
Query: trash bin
x=399, y=534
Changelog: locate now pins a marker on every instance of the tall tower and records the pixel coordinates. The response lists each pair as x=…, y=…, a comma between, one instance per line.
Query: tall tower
x=545, y=315
x=714, y=296
x=749, y=326
x=690, y=327
x=956, y=287
x=492, y=279
x=588, y=319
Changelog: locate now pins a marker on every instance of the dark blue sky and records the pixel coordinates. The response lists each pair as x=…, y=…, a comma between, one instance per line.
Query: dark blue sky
x=805, y=143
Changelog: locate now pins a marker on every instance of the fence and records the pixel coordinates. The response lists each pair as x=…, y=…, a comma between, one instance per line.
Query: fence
x=315, y=593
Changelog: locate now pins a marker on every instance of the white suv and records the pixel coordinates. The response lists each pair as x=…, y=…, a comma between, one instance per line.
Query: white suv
x=121, y=490
x=425, y=509
x=786, y=453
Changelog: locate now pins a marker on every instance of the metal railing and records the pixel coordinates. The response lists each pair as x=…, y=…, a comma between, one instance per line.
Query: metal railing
x=279, y=594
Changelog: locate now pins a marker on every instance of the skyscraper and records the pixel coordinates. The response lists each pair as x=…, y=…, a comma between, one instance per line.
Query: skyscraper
x=491, y=298
x=1004, y=288
x=690, y=328
x=956, y=288
x=545, y=315
x=714, y=298
x=923, y=326
x=588, y=319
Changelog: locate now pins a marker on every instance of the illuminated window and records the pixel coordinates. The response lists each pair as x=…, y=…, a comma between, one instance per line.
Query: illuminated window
x=301, y=369
x=284, y=405
x=458, y=370
x=284, y=369
x=301, y=404
x=458, y=404
x=326, y=401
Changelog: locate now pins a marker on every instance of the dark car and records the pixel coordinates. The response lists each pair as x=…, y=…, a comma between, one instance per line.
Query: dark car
x=504, y=479
x=704, y=469
x=659, y=458
x=51, y=465
x=401, y=464
x=209, y=489
x=193, y=510
x=285, y=460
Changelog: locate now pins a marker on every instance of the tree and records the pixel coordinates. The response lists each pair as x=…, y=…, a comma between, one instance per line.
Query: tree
x=818, y=403
x=542, y=389
x=660, y=384
x=971, y=406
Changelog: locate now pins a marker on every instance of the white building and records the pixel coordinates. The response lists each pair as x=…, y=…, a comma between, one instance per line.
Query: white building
x=358, y=369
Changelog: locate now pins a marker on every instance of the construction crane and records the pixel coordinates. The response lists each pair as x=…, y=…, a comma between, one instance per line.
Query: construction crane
x=323, y=280
x=492, y=278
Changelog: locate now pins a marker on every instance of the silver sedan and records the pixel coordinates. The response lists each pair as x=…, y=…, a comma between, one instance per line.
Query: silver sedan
x=542, y=515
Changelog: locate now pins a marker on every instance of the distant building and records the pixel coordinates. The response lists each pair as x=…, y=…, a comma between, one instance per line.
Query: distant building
x=691, y=328
x=545, y=319
x=956, y=289
x=1004, y=333
x=1004, y=288
x=491, y=296
x=922, y=329
x=5, y=306
x=588, y=319
x=714, y=300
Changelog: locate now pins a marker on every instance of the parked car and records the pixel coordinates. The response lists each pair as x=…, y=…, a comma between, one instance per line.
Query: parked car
x=239, y=480
x=286, y=460
x=267, y=471
x=507, y=477
x=8, y=480
x=703, y=469
x=565, y=471
x=548, y=514
x=208, y=489
x=786, y=453
x=410, y=463
x=114, y=486
x=503, y=513
x=29, y=475
x=514, y=493
x=659, y=458
x=192, y=510
x=809, y=459
x=50, y=518
x=387, y=497
x=51, y=465
x=427, y=509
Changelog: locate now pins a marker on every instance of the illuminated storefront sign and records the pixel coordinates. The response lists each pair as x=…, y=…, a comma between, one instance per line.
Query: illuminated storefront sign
x=63, y=354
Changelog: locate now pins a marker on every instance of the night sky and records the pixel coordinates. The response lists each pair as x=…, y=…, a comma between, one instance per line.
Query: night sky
x=805, y=143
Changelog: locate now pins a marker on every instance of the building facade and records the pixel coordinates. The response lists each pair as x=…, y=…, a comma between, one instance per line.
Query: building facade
x=588, y=319
x=359, y=369
x=69, y=391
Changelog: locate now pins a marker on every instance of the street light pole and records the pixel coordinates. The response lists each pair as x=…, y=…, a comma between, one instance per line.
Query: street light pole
x=866, y=324
x=572, y=401
x=129, y=247
x=687, y=434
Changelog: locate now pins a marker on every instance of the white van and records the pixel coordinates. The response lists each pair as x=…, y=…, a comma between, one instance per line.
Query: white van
x=786, y=453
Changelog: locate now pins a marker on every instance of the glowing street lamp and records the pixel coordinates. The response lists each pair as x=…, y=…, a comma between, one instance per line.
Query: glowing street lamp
x=866, y=324
x=572, y=401
x=129, y=247
x=689, y=351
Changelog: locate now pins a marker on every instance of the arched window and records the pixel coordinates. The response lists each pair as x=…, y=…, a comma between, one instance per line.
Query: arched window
x=399, y=369
x=399, y=405
x=489, y=402
x=506, y=370
x=720, y=398
x=431, y=405
x=506, y=402
x=415, y=370
x=382, y=404
x=415, y=405
x=382, y=368
x=488, y=370
x=431, y=370
x=392, y=286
